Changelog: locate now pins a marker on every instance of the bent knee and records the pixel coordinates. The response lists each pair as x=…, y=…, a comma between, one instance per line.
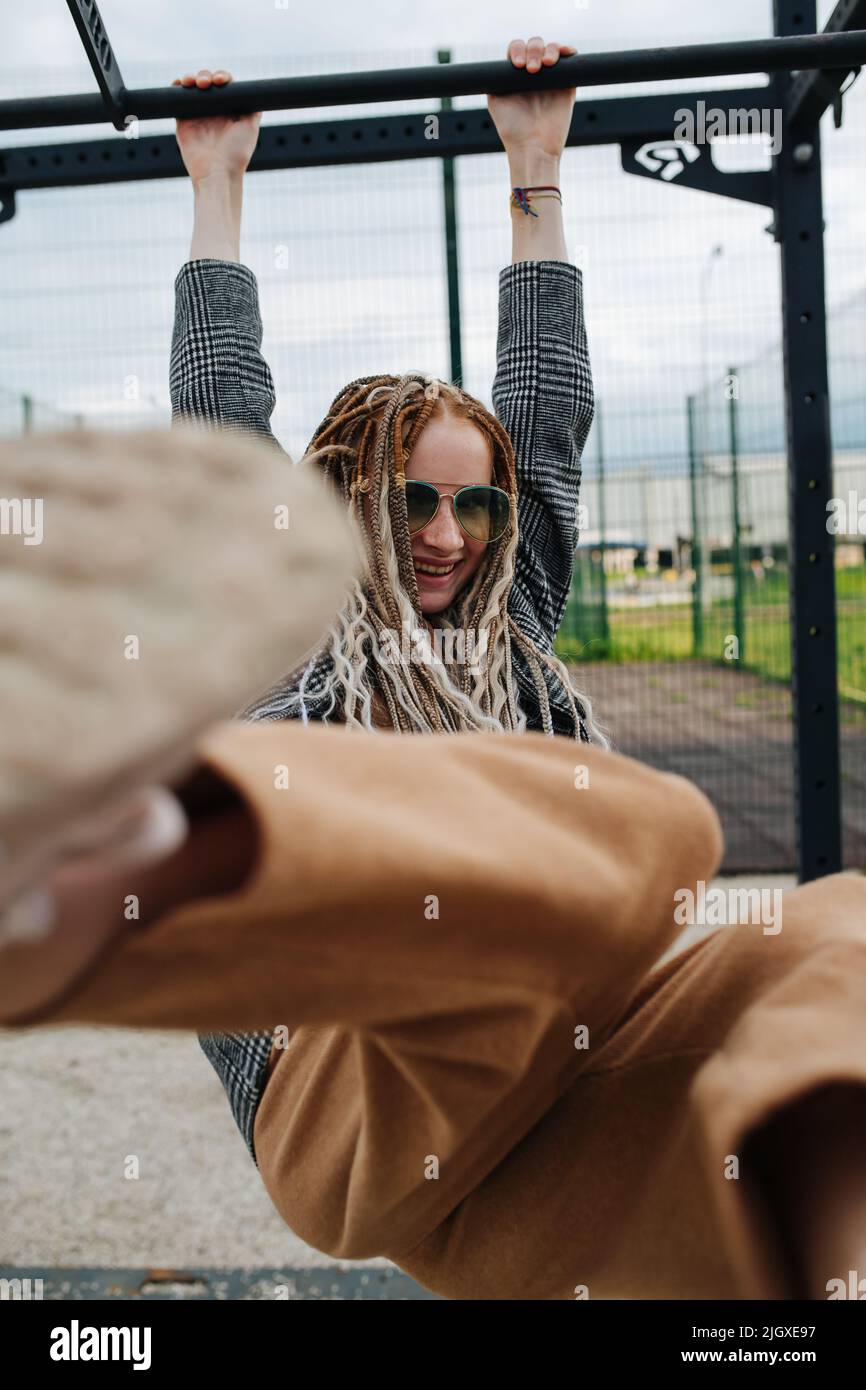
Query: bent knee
x=345, y=1225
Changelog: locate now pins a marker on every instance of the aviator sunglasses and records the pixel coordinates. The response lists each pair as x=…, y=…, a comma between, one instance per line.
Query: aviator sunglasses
x=482, y=512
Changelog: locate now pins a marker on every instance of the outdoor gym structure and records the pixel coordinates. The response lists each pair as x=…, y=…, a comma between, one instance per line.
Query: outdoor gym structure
x=808, y=73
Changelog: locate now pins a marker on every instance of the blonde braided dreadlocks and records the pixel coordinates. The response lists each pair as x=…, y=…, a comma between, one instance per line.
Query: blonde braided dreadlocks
x=362, y=446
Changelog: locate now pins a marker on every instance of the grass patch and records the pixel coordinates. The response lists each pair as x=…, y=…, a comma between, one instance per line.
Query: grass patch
x=664, y=633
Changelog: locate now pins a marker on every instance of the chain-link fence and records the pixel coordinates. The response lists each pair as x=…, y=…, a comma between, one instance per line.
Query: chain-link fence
x=688, y=568
x=21, y=414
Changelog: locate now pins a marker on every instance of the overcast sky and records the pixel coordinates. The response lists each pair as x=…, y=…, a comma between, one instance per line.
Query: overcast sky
x=86, y=275
x=208, y=32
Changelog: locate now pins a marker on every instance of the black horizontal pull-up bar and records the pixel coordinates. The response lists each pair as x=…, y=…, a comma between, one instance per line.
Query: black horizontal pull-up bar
x=797, y=53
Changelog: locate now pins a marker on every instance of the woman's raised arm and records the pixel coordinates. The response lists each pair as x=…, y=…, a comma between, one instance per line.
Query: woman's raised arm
x=218, y=374
x=216, y=151
x=533, y=128
x=543, y=390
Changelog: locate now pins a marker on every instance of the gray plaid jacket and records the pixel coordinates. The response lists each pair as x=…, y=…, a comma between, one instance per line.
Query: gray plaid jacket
x=542, y=394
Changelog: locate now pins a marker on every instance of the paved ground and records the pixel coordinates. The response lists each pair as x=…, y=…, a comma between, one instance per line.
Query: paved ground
x=341, y=1284
x=731, y=733
x=75, y=1103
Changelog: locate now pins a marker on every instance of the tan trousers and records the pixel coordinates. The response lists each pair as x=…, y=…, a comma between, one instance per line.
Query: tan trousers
x=483, y=1076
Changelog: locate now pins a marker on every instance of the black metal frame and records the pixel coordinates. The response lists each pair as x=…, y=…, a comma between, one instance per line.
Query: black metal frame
x=800, y=231
x=365, y=140
x=822, y=64
x=841, y=51
x=100, y=55
x=811, y=93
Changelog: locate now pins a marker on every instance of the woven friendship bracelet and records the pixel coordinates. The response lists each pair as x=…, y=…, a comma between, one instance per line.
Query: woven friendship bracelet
x=520, y=199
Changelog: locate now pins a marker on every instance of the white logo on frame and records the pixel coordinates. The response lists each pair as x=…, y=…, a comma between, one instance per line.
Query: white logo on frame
x=668, y=160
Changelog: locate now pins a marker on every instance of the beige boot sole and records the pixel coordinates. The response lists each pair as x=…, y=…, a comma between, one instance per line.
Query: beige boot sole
x=155, y=582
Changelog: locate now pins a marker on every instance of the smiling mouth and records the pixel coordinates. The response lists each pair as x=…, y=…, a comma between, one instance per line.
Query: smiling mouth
x=437, y=571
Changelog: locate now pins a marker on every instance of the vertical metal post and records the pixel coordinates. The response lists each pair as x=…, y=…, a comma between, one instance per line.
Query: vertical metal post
x=697, y=557
x=800, y=231
x=602, y=525
x=573, y=623
x=736, y=555
x=26, y=414
x=453, y=270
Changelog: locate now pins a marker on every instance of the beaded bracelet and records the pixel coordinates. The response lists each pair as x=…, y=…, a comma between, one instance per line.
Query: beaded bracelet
x=520, y=200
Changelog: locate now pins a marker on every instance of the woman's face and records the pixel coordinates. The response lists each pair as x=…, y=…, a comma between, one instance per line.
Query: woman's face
x=451, y=453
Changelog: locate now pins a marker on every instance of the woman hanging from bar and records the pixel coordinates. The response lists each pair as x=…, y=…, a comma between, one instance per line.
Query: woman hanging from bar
x=469, y=518
x=467, y=1057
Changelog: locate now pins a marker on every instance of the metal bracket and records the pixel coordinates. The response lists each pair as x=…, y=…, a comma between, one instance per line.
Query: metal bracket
x=687, y=165
x=94, y=37
x=838, y=100
x=811, y=92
